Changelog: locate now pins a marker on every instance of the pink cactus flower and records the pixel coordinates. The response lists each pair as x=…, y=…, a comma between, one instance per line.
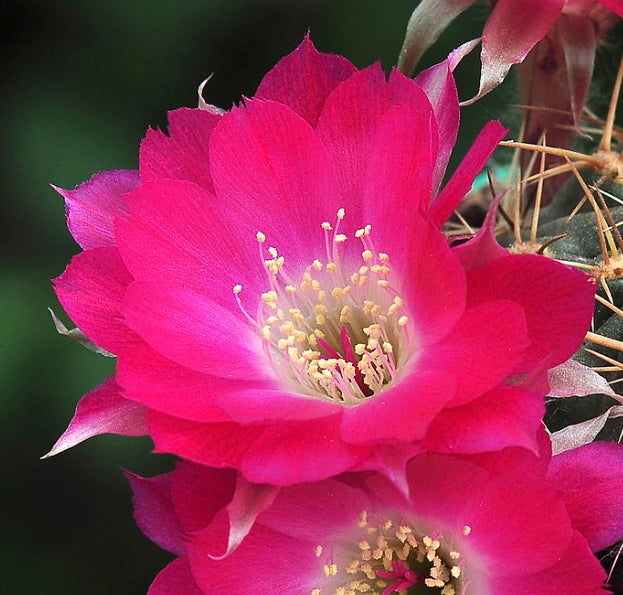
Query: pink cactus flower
x=279, y=295
x=479, y=525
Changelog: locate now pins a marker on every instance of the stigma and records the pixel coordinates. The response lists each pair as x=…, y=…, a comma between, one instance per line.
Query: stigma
x=338, y=331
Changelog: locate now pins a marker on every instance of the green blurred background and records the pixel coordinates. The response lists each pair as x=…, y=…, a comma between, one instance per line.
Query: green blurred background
x=82, y=82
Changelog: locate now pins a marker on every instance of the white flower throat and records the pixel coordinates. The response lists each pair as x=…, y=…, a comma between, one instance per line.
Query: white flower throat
x=338, y=333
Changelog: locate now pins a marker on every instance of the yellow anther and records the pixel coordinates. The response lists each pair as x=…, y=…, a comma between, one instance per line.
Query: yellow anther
x=266, y=333
x=318, y=551
x=467, y=530
x=383, y=257
x=341, y=214
x=455, y=571
x=403, y=320
x=383, y=283
x=317, y=265
x=331, y=267
x=344, y=312
x=320, y=319
x=340, y=238
x=367, y=255
x=273, y=252
x=290, y=289
x=326, y=226
x=261, y=238
x=237, y=289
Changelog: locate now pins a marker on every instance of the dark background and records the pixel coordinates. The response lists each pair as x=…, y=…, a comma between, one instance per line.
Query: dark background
x=81, y=83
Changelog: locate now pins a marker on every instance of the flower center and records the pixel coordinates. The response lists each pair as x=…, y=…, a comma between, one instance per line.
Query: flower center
x=339, y=332
x=391, y=558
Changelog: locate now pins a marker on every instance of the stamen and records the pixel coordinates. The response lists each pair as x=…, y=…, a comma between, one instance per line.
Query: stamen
x=386, y=557
x=338, y=340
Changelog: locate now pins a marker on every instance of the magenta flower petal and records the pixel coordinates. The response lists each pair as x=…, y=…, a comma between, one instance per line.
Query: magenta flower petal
x=199, y=493
x=175, y=578
x=92, y=206
x=614, y=5
x=479, y=353
x=102, y=411
x=503, y=417
x=558, y=312
x=483, y=247
x=154, y=513
x=461, y=181
x=440, y=88
x=269, y=165
x=181, y=155
x=347, y=132
x=254, y=404
x=187, y=328
x=512, y=30
x=318, y=506
x=304, y=79
x=308, y=449
x=186, y=244
x=289, y=570
x=91, y=290
x=220, y=444
x=437, y=305
x=516, y=457
x=401, y=158
x=591, y=481
x=162, y=385
x=577, y=573
x=510, y=547
x=375, y=420
x=248, y=500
